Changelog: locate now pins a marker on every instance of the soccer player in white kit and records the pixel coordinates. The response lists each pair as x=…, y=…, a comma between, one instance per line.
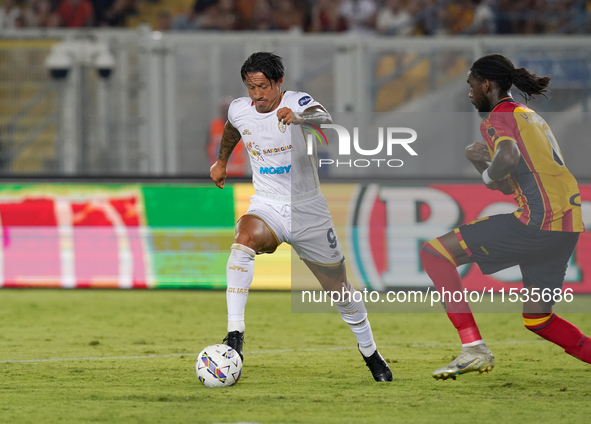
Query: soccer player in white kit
x=288, y=205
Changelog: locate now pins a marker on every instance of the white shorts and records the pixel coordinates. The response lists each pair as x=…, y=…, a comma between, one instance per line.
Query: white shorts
x=306, y=225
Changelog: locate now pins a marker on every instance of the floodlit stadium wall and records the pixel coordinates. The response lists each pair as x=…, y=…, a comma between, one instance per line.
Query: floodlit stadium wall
x=178, y=235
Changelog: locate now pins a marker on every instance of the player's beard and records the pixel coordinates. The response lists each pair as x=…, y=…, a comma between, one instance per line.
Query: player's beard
x=483, y=107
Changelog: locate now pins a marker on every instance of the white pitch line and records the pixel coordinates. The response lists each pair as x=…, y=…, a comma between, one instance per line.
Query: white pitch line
x=512, y=342
x=254, y=352
x=97, y=358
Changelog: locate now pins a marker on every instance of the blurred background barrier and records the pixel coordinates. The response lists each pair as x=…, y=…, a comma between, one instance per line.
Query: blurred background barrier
x=117, y=102
x=178, y=235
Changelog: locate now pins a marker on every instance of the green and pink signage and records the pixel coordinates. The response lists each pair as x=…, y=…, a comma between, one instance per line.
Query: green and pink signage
x=114, y=236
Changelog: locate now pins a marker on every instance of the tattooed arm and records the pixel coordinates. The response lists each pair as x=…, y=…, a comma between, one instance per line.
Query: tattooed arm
x=230, y=138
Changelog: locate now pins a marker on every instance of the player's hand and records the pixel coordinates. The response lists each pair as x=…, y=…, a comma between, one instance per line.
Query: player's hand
x=503, y=186
x=218, y=173
x=478, y=152
x=286, y=115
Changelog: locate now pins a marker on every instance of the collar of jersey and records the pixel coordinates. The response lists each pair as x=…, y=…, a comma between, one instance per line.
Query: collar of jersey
x=503, y=100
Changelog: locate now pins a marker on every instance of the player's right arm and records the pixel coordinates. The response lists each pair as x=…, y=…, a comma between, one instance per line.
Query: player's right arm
x=230, y=138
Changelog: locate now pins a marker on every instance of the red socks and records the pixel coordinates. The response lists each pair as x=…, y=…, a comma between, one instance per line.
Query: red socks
x=561, y=332
x=447, y=280
x=437, y=262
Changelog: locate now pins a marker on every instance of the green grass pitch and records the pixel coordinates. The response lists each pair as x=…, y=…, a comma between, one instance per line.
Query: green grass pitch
x=129, y=357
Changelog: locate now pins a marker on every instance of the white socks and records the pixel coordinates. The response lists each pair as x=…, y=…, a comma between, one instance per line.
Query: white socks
x=476, y=343
x=355, y=314
x=239, y=273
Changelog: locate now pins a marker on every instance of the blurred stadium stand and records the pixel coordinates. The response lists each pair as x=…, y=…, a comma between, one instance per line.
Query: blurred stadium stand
x=151, y=116
x=28, y=117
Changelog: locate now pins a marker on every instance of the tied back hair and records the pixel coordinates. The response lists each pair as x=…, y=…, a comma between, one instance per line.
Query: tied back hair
x=497, y=68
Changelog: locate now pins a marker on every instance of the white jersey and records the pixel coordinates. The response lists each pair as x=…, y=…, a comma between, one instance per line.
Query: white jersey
x=277, y=152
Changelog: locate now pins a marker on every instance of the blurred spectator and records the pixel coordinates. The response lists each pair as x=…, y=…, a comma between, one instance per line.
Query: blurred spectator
x=20, y=21
x=113, y=12
x=42, y=14
x=530, y=17
x=460, y=15
x=559, y=13
x=245, y=11
x=213, y=14
x=9, y=14
x=359, y=15
x=227, y=15
x=484, y=18
x=326, y=17
x=414, y=10
x=182, y=22
x=163, y=21
x=76, y=13
x=117, y=12
x=100, y=7
x=432, y=18
x=394, y=19
x=201, y=6
x=262, y=16
x=287, y=15
x=203, y=12
x=505, y=17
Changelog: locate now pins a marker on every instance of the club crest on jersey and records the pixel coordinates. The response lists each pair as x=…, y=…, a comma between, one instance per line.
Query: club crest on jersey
x=255, y=151
x=304, y=100
x=282, y=126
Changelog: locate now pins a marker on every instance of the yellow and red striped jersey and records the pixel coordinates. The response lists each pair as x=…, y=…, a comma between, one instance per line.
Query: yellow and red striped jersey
x=546, y=191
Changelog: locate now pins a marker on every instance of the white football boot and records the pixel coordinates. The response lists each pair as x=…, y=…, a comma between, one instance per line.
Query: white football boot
x=472, y=358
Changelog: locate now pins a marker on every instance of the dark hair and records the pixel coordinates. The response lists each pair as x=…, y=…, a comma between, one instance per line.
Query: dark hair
x=497, y=68
x=269, y=64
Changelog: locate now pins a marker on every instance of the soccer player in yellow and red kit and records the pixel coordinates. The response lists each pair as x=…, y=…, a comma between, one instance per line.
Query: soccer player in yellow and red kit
x=520, y=156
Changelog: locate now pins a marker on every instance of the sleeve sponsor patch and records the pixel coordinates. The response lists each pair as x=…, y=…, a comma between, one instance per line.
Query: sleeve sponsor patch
x=305, y=100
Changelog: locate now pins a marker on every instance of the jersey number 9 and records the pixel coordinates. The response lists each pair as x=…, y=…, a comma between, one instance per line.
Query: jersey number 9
x=332, y=238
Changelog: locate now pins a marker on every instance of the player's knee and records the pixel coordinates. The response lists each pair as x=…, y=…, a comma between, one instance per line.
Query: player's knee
x=255, y=234
x=244, y=238
x=250, y=238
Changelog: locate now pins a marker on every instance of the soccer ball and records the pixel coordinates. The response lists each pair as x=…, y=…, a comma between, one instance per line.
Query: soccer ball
x=218, y=365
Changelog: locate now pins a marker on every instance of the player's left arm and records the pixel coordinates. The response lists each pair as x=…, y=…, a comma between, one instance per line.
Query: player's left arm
x=316, y=115
x=504, y=161
x=477, y=153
